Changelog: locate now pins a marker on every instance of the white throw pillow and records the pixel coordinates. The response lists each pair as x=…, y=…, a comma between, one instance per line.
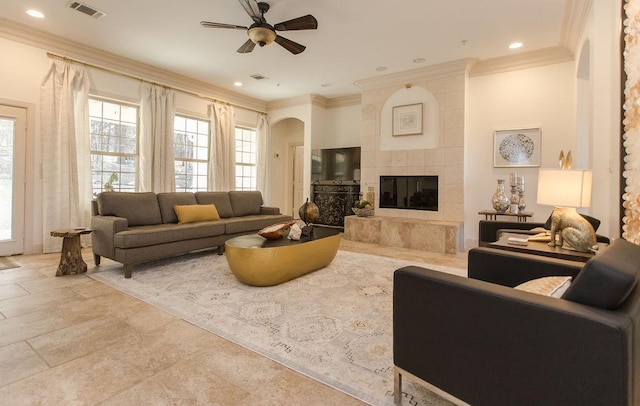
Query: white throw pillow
x=553, y=286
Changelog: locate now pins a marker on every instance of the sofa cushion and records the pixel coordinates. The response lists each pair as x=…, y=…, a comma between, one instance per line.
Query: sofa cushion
x=196, y=212
x=166, y=201
x=553, y=286
x=139, y=208
x=219, y=199
x=245, y=203
x=608, y=278
x=146, y=236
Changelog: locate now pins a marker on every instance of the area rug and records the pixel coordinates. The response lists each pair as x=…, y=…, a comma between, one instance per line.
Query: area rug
x=333, y=325
x=6, y=263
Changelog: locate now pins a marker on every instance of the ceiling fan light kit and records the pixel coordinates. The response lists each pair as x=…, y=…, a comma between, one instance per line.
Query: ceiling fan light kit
x=262, y=33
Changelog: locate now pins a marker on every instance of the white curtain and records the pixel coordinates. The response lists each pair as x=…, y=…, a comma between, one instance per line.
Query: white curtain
x=222, y=168
x=262, y=135
x=66, y=156
x=157, y=111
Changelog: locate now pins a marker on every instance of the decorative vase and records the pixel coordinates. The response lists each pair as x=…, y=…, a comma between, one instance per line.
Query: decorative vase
x=500, y=201
x=514, y=200
x=521, y=203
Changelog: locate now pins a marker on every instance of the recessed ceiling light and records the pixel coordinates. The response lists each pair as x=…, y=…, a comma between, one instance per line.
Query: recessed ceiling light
x=35, y=13
x=419, y=60
x=381, y=68
x=237, y=84
x=515, y=45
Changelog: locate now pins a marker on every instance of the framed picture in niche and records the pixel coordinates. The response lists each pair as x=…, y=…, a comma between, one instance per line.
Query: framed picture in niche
x=519, y=147
x=407, y=119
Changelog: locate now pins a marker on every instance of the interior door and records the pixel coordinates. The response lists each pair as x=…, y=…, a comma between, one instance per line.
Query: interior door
x=13, y=133
x=298, y=179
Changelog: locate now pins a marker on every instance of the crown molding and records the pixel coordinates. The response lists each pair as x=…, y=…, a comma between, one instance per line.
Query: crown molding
x=344, y=101
x=319, y=101
x=576, y=14
x=111, y=62
x=429, y=72
x=303, y=100
x=316, y=100
x=525, y=60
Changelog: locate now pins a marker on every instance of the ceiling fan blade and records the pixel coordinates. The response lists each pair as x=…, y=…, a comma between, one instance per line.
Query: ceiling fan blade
x=289, y=45
x=307, y=22
x=209, y=24
x=251, y=7
x=246, y=47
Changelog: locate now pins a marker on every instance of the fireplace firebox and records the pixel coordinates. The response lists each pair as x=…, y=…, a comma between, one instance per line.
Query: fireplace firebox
x=409, y=192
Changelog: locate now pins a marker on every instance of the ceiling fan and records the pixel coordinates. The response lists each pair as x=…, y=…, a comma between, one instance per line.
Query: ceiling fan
x=262, y=33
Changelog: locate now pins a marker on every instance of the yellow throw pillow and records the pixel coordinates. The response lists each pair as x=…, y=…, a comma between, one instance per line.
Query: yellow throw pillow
x=192, y=213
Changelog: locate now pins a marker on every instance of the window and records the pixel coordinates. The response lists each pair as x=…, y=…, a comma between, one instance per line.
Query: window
x=246, y=155
x=191, y=153
x=113, y=128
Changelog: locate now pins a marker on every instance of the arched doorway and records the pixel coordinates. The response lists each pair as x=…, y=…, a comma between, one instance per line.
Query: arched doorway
x=287, y=168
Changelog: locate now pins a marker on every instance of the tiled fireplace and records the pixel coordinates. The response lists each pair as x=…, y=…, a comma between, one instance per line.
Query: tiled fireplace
x=385, y=155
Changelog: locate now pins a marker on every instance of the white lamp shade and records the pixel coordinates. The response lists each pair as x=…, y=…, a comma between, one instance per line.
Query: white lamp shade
x=564, y=187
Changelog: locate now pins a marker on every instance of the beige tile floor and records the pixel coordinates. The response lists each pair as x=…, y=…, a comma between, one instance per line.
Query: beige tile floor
x=74, y=341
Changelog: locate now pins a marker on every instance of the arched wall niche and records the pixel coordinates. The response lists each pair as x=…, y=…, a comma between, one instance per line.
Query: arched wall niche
x=430, y=120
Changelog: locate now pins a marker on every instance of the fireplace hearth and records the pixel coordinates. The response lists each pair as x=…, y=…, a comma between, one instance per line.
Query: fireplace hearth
x=409, y=192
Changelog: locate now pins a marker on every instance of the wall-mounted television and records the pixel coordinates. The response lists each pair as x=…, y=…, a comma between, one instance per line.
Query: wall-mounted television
x=335, y=164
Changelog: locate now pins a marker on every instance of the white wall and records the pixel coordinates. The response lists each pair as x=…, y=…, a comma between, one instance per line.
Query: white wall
x=342, y=128
x=602, y=31
x=539, y=97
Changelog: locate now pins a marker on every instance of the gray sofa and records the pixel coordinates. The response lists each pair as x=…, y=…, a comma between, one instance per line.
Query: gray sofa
x=133, y=228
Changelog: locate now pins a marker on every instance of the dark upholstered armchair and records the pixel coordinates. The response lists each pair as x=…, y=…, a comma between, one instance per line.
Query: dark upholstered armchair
x=485, y=343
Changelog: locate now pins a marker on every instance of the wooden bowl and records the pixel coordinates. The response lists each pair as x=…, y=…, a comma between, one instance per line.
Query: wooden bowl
x=275, y=231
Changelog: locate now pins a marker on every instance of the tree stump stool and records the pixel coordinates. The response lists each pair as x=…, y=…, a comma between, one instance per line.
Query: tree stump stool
x=71, y=261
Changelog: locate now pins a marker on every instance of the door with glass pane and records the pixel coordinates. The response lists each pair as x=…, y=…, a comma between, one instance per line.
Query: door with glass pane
x=12, y=177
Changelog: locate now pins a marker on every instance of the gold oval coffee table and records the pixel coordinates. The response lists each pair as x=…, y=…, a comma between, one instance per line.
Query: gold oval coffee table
x=257, y=261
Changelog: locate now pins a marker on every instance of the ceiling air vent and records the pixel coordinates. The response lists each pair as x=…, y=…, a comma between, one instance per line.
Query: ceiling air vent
x=258, y=76
x=86, y=9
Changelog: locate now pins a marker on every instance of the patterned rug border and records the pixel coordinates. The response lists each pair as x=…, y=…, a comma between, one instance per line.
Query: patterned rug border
x=157, y=302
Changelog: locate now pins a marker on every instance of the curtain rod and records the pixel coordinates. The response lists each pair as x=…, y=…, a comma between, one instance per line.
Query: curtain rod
x=127, y=75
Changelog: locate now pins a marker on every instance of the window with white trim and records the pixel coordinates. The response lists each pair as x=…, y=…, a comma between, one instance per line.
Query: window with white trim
x=246, y=158
x=113, y=128
x=191, y=153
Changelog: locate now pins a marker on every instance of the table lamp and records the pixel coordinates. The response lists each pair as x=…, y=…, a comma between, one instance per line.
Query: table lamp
x=567, y=189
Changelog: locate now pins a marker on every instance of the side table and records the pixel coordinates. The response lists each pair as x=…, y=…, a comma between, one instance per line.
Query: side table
x=493, y=215
x=71, y=261
x=543, y=249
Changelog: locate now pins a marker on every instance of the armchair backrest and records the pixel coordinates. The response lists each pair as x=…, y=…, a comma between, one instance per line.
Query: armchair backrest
x=609, y=278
